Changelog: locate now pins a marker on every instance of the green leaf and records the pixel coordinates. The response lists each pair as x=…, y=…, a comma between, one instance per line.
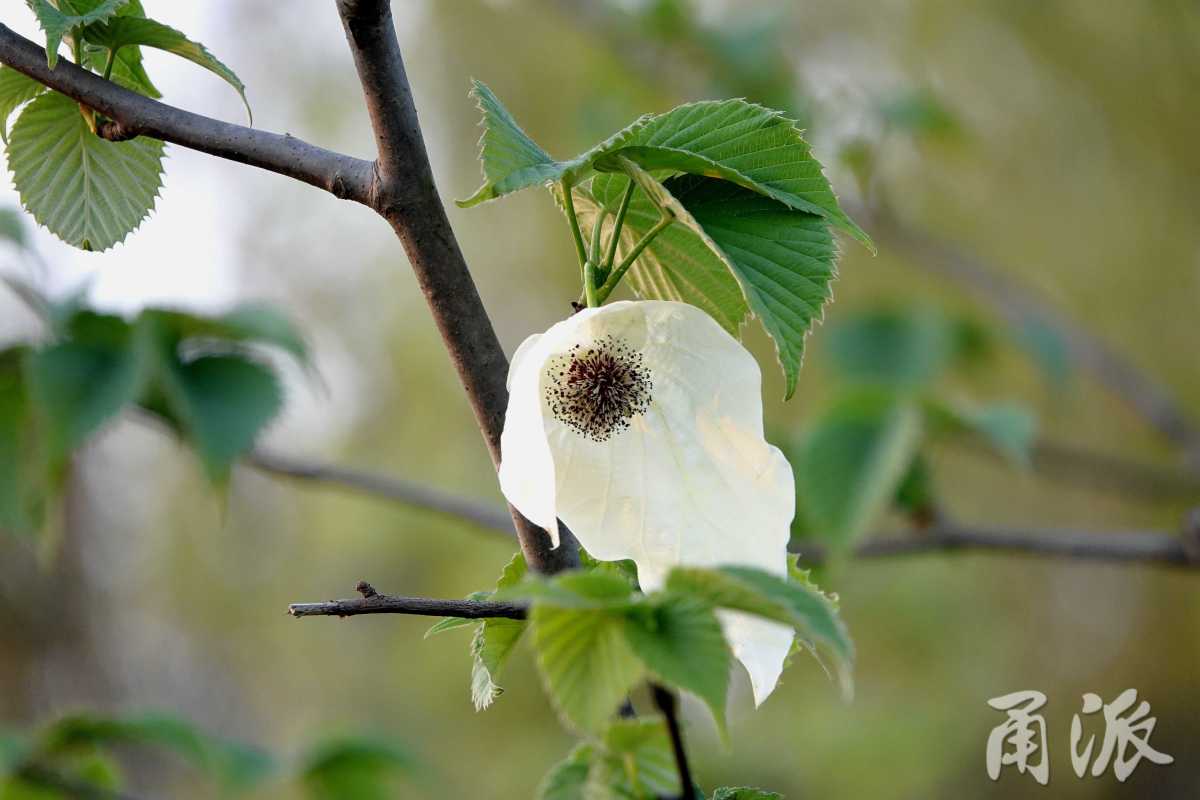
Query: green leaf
x=222, y=403
x=744, y=793
x=126, y=31
x=577, y=590
x=568, y=778
x=585, y=661
x=22, y=475
x=905, y=348
x=635, y=761
x=754, y=147
x=16, y=89
x=89, y=192
x=494, y=642
x=361, y=768
x=510, y=159
x=851, y=461
x=784, y=260
x=251, y=323
x=58, y=24
x=78, y=386
x=1009, y=428
x=235, y=766
x=679, y=640
x=791, y=602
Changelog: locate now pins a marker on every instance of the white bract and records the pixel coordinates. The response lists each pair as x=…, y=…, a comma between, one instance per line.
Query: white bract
x=639, y=424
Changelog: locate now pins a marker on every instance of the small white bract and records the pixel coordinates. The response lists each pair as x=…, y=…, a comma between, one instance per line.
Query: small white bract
x=639, y=424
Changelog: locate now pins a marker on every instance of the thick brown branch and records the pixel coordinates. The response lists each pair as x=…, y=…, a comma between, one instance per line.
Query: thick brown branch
x=131, y=114
x=405, y=194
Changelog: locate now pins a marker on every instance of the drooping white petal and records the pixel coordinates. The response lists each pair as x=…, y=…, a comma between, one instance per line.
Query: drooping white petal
x=687, y=479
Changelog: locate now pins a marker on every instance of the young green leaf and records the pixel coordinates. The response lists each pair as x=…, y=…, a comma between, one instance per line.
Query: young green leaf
x=585, y=661
x=746, y=144
x=89, y=192
x=222, y=403
x=756, y=592
x=58, y=23
x=679, y=639
x=567, y=780
x=744, y=793
x=365, y=769
x=122, y=31
x=634, y=761
x=730, y=252
x=851, y=461
x=577, y=590
x=494, y=642
x=16, y=89
x=510, y=159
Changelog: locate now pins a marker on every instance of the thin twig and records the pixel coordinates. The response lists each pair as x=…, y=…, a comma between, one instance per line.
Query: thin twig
x=372, y=602
x=668, y=704
x=1147, y=547
x=410, y=493
x=1150, y=547
x=1020, y=307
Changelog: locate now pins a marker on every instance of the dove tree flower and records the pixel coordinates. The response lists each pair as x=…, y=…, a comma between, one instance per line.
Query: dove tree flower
x=639, y=424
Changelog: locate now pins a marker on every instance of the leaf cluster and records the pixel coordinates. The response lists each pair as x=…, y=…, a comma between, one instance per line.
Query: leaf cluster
x=868, y=449
x=205, y=377
x=88, y=191
x=720, y=204
x=85, y=751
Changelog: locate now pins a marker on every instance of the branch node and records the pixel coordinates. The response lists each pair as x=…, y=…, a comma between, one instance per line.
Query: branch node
x=366, y=590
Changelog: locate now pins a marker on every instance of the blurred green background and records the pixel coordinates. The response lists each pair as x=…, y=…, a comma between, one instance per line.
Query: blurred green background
x=1055, y=140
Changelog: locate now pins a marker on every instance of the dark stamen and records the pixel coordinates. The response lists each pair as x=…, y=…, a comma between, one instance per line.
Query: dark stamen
x=596, y=390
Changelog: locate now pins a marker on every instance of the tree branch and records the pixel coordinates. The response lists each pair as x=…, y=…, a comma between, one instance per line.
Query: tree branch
x=410, y=493
x=1149, y=547
x=372, y=602
x=131, y=114
x=668, y=704
x=405, y=194
x=1143, y=393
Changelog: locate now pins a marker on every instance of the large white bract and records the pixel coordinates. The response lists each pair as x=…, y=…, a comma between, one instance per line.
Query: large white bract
x=639, y=424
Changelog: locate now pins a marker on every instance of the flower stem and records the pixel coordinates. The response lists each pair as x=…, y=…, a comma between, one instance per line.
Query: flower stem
x=569, y=204
x=590, y=292
x=618, y=223
x=619, y=271
x=108, y=65
x=594, y=253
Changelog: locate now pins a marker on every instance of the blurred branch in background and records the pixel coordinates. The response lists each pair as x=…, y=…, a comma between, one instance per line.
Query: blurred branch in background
x=670, y=47
x=1151, y=547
